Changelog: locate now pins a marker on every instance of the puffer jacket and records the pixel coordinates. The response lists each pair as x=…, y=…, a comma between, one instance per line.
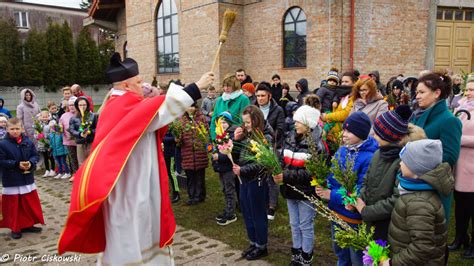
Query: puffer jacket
x=379, y=189
x=327, y=94
x=11, y=154
x=193, y=151
x=363, y=157
x=56, y=143
x=295, y=152
x=418, y=231
x=27, y=111
x=249, y=170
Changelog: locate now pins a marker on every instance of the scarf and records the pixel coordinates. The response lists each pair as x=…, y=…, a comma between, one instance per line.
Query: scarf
x=231, y=96
x=265, y=110
x=410, y=185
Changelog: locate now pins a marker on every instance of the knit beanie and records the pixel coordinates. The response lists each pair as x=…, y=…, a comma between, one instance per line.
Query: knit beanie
x=333, y=74
x=307, y=115
x=391, y=126
x=397, y=84
x=249, y=87
x=422, y=156
x=358, y=124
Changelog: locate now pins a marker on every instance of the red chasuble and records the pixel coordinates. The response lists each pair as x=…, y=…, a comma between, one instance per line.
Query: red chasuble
x=121, y=124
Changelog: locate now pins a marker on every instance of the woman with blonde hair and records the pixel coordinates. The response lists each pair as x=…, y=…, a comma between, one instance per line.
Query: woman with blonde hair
x=366, y=99
x=233, y=100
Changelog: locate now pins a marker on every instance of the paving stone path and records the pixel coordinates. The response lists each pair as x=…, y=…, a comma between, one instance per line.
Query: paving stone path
x=189, y=248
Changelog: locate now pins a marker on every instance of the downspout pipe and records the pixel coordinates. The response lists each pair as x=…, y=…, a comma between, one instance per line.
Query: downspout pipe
x=352, y=27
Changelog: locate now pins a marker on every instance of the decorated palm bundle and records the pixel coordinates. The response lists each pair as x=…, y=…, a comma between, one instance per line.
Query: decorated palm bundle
x=345, y=175
x=317, y=164
x=263, y=154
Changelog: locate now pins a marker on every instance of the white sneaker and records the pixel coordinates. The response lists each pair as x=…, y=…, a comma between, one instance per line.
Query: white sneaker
x=58, y=176
x=66, y=176
x=52, y=173
x=46, y=173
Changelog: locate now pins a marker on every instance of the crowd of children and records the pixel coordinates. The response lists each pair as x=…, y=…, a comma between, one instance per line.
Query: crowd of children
x=403, y=180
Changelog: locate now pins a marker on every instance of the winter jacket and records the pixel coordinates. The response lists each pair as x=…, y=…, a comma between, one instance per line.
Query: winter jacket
x=169, y=144
x=276, y=119
x=207, y=107
x=26, y=112
x=223, y=163
x=276, y=92
x=64, y=121
x=11, y=154
x=304, y=91
x=4, y=110
x=335, y=119
x=361, y=163
x=418, y=229
x=249, y=170
x=234, y=106
x=295, y=152
x=373, y=108
x=248, y=79
x=56, y=144
x=464, y=170
x=75, y=128
x=439, y=123
x=379, y=189
x=193, y=150
x=326, y=95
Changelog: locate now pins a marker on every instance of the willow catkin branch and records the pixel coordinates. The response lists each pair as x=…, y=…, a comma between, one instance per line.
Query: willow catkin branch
x=325, y=211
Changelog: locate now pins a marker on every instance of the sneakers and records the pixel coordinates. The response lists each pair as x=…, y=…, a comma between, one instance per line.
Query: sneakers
x=306, y=258
x=296, y=256
x=46, y=173
x=220, y=216
x=271, y=214
x=66, y=176
x=176, y=197
x=227, y=220
x=52, y=173
x=58, y=176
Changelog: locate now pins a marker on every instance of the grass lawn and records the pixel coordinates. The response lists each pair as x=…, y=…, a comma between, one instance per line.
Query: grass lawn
x=202, y=219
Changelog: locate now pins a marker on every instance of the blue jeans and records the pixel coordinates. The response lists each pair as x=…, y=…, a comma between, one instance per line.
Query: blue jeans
x=346, y=256
x=62, y=164
x=254, y=211
x=302, y=224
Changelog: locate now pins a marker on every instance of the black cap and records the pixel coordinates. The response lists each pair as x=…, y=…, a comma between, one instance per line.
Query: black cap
x=119, y=70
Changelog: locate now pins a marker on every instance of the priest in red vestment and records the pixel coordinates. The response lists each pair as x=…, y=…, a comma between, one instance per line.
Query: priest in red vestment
x=119, y=202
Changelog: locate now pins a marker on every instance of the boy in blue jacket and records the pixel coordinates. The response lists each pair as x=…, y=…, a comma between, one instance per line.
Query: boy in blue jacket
x=361, y=147
x=21, y=207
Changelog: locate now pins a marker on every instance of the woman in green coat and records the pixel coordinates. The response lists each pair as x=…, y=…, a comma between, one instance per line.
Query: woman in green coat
x=232, y=100
x=438, y=122
x=434, y=116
